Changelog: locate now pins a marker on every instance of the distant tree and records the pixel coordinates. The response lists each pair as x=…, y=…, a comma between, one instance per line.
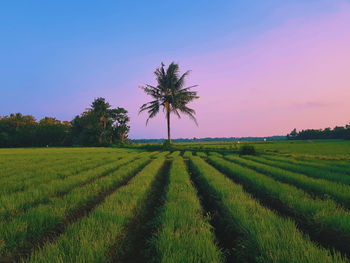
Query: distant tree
x=120, y=125
x=347, y=132
x=293, y=134
x=338, y=132
x=18, y=130
x=52, y=132
x=101, y=109
x=100, y=124
x=170, y=94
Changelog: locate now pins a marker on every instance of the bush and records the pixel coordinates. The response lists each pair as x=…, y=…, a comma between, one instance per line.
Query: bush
x=247, y=150
x=167, y=145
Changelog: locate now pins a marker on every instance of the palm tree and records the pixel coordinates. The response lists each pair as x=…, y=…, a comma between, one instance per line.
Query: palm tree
x=169, y=93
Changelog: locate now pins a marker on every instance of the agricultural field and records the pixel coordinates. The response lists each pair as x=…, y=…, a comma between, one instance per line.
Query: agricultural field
x=320, y=149
x=195, y=203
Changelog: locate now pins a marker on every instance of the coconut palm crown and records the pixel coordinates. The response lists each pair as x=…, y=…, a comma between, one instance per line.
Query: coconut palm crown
x=170, y=94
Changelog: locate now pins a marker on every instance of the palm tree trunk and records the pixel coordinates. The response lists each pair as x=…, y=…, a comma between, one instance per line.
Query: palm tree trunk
x=168, y=122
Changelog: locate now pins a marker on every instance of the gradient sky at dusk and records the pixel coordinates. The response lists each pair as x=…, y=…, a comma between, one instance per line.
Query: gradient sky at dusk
x=263, y=67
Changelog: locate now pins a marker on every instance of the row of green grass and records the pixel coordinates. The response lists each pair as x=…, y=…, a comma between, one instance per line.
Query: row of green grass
x=202, y=154
x=264, y=236
x=17, y=165
x=26, y=230
x=174, y=154
x=45, y=175
x=11, y=205
x=187, y=154
x=331, y=166
x=14, y=169
x=314, y=172
x=318, y=215
x=184, y=234
x=320, y=187
x=92, y=238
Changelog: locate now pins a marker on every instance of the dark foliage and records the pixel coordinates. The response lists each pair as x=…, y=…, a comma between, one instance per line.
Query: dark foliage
x=19, y=130
x=247, y=150
x=99, y=125
x=167, y=145
x=339, y=132
x=170, y=94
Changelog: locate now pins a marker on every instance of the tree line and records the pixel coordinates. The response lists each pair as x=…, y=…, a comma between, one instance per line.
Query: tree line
x=338, y=132
x=99, y=125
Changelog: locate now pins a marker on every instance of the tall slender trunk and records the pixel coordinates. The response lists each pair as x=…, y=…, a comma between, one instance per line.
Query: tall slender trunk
x=168, y=122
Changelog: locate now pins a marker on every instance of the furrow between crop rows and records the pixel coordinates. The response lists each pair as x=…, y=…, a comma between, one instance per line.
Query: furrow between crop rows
x=11, y=205
x=319, y=187
x=45, y=176
x=104, y=227
x=332, y=167
x=264, y=236
x=133, y=246
x=184, y=234
x=308, y=171
x=46, y=222
x=326, y=222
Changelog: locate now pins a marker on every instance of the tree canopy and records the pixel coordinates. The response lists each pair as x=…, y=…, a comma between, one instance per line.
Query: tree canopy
x=170, y=94
x=98, y=125
x=338, y=132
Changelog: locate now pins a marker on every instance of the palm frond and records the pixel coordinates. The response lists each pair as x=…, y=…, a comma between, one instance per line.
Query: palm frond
x=170, y=91
x=190, y=113
x=181, y=81
x=152, y=109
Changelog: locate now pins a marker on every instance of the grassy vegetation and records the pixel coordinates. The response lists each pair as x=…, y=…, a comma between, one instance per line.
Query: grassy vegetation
x=12, y=204
x=46, y=174
x=318, y=216
x=323, y=188
x=317, y=149
x=332, y=149
x=184, y=234
x=187, y=154
x=315, y=172
x=104, y=227
x=329, y=166
x=174, y=154
x=27, y=230
x=202, y=154
x=135, y=205
x=266, y=237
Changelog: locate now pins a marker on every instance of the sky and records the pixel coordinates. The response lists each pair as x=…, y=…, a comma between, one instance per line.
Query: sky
x=262, y=67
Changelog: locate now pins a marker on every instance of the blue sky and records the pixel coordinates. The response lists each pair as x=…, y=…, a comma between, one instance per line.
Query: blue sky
x=57, y=56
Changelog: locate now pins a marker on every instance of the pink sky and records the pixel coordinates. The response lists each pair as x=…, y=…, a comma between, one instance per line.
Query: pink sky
x=294, y=76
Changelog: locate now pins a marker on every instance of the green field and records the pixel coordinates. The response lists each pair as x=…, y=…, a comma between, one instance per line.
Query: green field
x=198, y=202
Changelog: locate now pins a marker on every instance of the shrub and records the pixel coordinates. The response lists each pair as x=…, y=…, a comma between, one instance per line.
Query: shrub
x=247, y=150
x=167, y=145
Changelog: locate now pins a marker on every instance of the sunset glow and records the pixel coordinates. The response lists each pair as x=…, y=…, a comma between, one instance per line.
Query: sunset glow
x=289, y=69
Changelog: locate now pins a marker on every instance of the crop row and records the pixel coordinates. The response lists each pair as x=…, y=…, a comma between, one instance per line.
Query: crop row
x=45, y=175
x=331, y=166
x=18, y=165
x=184, y=235
x=320, y=187
x=11, y=205
x=88, y=216
x=174, y=154
x=315, y=172
x=14, y=169
x=26, y=230
x=92, y=238
x=263, y=235
x=320, y=217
